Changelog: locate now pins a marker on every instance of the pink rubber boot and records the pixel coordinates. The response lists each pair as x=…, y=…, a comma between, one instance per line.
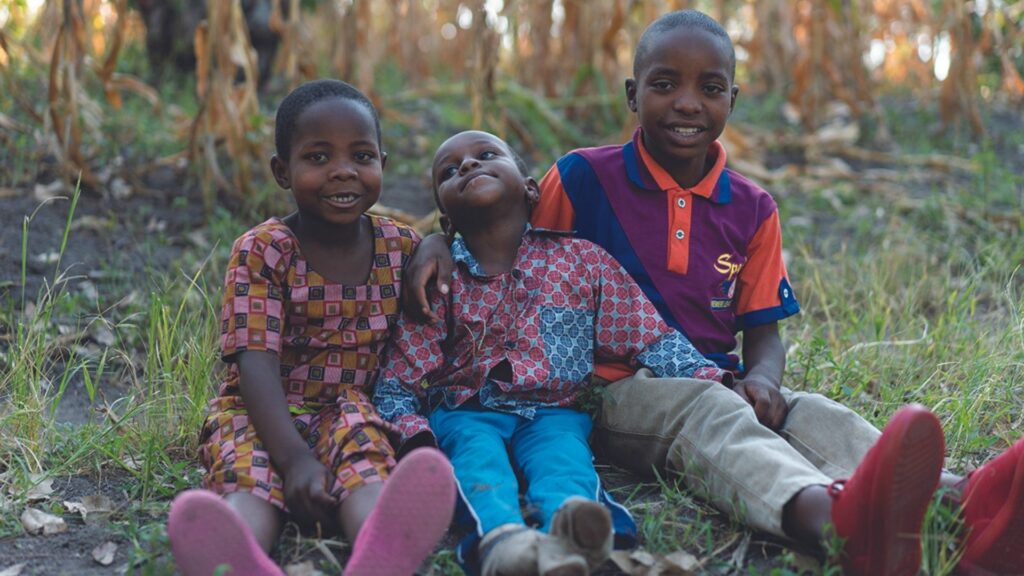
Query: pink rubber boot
x=205, y=533
x=410, y=518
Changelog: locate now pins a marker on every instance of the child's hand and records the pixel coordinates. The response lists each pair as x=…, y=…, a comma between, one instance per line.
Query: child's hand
x=768, y=403
x=305, y=492
x=432, y=259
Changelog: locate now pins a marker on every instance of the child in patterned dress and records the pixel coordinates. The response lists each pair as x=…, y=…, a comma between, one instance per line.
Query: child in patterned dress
x=496, y=384
x=309, y=302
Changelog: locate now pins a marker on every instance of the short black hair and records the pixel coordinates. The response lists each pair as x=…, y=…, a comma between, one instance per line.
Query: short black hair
x=305, y=96
x=676, y=20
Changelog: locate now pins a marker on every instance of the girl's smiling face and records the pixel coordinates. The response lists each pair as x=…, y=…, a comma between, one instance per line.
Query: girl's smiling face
x=335, y=166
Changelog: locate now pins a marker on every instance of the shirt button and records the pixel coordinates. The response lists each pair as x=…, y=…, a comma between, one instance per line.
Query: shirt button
x=785, y=293
x=680, y=234
x=681, y=203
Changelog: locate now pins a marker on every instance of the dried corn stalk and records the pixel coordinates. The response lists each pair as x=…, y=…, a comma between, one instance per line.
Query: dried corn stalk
x=226, y=90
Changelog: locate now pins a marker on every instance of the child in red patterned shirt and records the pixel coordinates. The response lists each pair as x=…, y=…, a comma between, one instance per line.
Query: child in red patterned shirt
x=495, y=384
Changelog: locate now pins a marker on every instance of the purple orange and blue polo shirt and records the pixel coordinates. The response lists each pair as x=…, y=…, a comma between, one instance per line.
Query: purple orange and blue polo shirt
x=708, y=257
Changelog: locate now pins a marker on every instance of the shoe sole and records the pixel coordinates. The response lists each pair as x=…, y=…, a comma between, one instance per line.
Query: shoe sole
x=903, y=488
x=1004, y=536
x=205, y=533
x=410, y=517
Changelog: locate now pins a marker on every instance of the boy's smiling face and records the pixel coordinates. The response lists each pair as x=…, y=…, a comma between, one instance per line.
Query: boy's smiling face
x=683, y=95
x=475, y=174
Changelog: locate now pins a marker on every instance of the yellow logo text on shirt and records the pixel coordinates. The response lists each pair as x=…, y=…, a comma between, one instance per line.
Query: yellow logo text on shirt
x=724, y=265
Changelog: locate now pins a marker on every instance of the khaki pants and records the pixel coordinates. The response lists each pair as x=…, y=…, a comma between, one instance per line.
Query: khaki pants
x=709, y=434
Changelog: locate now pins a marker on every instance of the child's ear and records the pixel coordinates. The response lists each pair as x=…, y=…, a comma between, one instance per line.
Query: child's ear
x=446, y=225
x=631, y=94
x=384, y=155
x=732, y=101
x=280, y=170
x=532, y=192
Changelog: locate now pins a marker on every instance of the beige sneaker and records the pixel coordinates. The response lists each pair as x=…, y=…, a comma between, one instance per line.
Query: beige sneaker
x=585, y=527
x=554, y=558
x=510, y=550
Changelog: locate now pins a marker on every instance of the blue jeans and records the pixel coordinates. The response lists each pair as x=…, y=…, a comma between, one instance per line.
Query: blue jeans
x=487, y=448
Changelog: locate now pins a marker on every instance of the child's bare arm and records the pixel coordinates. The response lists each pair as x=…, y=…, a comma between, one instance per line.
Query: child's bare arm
x=305, y=478
x=765, y=360
x=432, y=259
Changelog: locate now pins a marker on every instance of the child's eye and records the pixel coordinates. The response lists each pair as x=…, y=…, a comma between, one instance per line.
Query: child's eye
x=714, y=89
x=488, y=154
x=447, y=172
x=316, y=157
x=364, y=156
x=662, y=85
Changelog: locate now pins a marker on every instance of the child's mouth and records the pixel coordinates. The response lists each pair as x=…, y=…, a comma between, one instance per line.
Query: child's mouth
x=684, y=131
x=341, y=200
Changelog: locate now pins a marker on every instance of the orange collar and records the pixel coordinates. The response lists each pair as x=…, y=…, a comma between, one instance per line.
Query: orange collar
x=665, y=181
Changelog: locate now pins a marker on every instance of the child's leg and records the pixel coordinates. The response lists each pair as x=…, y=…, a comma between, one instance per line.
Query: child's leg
x=710, y=436
x=206, y=532
x=263, y=518
x=555, y=458
x=410, y=514
x=474, y=440
x=878, y=512
x=356, y=508
x=993, y=512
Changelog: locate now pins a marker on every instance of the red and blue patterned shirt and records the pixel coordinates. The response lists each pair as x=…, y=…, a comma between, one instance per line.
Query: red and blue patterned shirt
x=565, y=304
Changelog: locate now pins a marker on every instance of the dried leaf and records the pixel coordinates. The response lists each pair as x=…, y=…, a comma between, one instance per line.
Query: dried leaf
x=44, y=192
x=104, y=553
x=91, y=506
x=36, y=521
x=102, y=334
x=14, y=570
x=94, y=223
x=684, y=561
x=302, y=569
x=41, y=489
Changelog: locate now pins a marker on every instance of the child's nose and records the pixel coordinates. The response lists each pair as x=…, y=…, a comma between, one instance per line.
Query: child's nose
x=687, y=102
x=468, y=164
x=344, y=170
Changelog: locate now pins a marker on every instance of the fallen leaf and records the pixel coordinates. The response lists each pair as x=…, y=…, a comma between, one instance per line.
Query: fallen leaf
x=102, y=334
x=44, y=192
x=94, y=223
x=120, y=189
x=97, y=507
x=46, y=258
x=41, y=490
x=36, y=521
x=302, y=569
x=88, y=290
x=104, y=553
x=678, y=563
x=14, y=570
x=76, y=508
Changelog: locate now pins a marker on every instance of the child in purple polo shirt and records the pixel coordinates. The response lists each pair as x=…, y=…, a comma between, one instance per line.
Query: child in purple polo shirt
x=704, y=244
x=495, y=383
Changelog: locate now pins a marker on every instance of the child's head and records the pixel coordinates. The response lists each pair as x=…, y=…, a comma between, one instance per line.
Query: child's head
x=327, y=136
x=477, y=178
x=682, y=88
